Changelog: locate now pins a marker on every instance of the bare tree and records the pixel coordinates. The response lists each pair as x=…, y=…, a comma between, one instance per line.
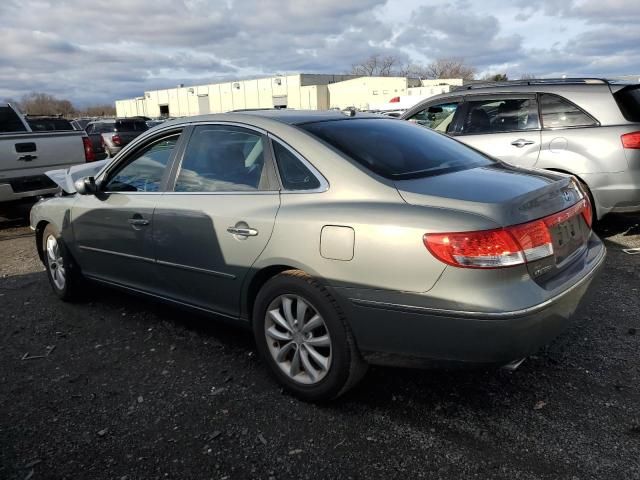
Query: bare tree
x=449, y=68
x=377, y=66
x=106, y=110
x=527, y=76
x=497, y=77
x=45, y=104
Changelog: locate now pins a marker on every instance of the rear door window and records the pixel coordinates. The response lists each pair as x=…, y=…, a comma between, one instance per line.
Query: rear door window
x=396, y=149
x=497, y=115
x=628, y=100
x=437, y=117
x=558, y=112
x=221, y=158
x=9, y=121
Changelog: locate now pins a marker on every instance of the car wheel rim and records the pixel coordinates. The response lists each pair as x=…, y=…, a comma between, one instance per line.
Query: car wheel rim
x=298, y=339
x=55, y=263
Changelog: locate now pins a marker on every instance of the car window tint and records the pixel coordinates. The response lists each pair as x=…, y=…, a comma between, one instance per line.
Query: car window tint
x=557, y=112
x=131, y=125
x=9, y=121
x=628, y=100
x=500, y=115
x=438, y=117
x=293, y=173
x=144, y=171
x=395, y=148
x=223, y=159
x=49, y=124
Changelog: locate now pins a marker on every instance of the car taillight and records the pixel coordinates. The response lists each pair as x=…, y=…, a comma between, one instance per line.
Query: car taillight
x=116, y=139
x=395, y=100
x=631, y=140
x=89, y=154
x=502, y=247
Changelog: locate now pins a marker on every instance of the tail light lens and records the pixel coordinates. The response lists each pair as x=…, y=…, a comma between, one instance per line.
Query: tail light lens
x=116, y=139
x=503, y=247
x=631, y=140
x=395, y=100
x=89, y=154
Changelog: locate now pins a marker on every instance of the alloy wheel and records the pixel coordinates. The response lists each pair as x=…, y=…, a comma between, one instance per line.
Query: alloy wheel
x=55, y=262
x=298, y=339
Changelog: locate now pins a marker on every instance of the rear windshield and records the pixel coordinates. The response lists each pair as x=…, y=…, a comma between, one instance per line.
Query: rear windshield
x=131, y=126
x=395, y=148
x=49, y=124
x=629, y=102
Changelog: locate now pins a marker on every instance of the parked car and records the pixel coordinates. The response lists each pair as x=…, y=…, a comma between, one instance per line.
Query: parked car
x=109, y=136
x=80, y=123
x=25, y=155
x=341, y=240
x=48, y=124
x=589, y=128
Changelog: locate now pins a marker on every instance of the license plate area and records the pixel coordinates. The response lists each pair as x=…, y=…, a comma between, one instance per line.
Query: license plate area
x=568, y=236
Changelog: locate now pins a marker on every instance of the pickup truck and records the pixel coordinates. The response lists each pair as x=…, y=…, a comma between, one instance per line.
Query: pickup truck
x=26, y=155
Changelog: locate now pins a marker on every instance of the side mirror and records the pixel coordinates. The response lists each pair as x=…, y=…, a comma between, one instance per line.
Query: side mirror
x=86, y=186
x=435, y=110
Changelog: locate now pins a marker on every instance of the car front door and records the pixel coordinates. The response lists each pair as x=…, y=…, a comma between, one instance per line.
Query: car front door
x=506, y=127
x=113, y=229
x=212, y=227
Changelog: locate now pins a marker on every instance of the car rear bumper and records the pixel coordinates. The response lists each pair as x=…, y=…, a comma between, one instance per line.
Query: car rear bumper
x=412, y=334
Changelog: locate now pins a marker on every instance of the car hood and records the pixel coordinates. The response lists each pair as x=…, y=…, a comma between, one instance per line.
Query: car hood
x=65, y=178
x=505, y=194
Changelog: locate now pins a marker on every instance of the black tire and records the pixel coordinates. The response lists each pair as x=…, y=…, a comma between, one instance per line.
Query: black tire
x=347, y=366
x=72, y=288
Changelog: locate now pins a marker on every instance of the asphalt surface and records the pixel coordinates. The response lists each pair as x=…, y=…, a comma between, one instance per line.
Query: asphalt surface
x=121, y=387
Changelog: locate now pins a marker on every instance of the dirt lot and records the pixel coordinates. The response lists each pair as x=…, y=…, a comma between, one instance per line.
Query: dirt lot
x=120, y=387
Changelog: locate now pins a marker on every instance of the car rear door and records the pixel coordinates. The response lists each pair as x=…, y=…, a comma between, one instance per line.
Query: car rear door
x=113, y=229
x=219, y=217
x=505, y=126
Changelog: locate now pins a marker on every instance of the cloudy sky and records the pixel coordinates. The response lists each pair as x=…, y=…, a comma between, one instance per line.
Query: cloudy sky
x=98, y=51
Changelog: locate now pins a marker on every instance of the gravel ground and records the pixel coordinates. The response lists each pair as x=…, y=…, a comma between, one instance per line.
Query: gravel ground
x=120, y=387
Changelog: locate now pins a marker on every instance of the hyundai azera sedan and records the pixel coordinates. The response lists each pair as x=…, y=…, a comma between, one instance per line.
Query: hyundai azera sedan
x=340, y=240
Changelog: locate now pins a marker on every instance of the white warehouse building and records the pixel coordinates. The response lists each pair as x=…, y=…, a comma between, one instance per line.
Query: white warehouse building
x=300, y=91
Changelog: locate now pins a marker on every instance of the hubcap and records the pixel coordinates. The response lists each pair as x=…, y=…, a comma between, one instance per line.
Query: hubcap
x=298, y=339
x=55, y=263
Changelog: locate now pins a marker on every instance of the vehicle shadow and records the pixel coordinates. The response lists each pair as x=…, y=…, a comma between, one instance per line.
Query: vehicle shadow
x=15, y=215
x=618, y=224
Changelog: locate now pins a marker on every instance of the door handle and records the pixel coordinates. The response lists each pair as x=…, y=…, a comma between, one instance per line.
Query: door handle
x=138, y=222
x=27, y=158
x=521, y=142
x=245, y=232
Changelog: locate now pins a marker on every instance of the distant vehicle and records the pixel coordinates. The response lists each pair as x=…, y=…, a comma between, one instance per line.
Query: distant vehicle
x=154, y=123
x=586, y=127
x=26, y=154
x=109, y=136
x=48, y=124
x=80, y=123
x=339, y=239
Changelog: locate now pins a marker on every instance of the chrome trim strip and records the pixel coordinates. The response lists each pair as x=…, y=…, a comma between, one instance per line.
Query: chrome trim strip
x=159, y=262
x=196, y=269
x=117, y=254
x=480, y=316
x=160, y=297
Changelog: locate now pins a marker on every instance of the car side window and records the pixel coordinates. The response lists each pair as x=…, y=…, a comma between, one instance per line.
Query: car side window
x=558, y=112
x=437, y=117
x=500, y=115
x=143, y=171
x=293, y=173
x=222, y=158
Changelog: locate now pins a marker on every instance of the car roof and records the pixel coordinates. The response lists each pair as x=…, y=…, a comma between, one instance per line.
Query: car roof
x=290, y=117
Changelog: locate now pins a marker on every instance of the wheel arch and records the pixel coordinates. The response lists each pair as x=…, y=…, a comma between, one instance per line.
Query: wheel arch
x=256, y=282
x=42, y=224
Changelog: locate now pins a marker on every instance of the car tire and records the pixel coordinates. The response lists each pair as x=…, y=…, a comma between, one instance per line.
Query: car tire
x=309, y=348
x=62, y=271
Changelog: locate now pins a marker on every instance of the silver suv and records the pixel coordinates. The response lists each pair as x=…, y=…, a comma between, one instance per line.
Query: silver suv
x=589, y=128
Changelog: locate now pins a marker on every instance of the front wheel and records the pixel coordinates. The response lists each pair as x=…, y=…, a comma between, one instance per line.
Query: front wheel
x=303, y=337
x=63, y=273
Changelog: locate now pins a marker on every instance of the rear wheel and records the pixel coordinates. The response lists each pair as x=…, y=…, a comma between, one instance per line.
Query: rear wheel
x=303, y=337
x=63, y=273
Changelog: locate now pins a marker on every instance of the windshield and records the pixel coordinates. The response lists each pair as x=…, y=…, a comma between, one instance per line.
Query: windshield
x=395, y=148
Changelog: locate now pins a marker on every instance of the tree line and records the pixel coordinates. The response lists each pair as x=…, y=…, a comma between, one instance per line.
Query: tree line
x=37, y=103
x=393, y=66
